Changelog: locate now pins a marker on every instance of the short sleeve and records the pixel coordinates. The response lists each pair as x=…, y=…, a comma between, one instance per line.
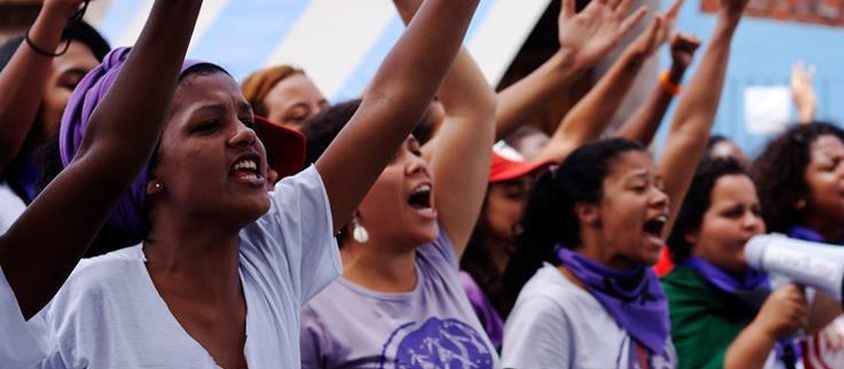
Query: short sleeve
x=536, y=336
x=21, y=344
x=296, y=236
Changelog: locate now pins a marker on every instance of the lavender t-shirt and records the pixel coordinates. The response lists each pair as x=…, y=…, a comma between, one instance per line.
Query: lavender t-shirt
x=433, y=326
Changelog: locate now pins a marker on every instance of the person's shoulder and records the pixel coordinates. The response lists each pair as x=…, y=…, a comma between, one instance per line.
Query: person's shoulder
x=681, y=277
x=105, y=270
x=550, y=282
x=330, y=299
x=296, y=201
x=107, y=280
x=550, y=289
x=685, y=286
x=308, y=178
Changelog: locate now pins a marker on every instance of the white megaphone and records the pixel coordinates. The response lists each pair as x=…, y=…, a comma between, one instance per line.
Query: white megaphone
x=811, y=264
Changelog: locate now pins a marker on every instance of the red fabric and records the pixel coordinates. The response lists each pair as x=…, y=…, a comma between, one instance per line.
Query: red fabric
x=664, y=265
x=503, y=169
x=285, y=147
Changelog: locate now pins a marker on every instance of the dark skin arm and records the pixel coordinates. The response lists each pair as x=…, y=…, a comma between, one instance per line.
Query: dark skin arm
x=394, y=103
x=642, y=126
x=460, y=156
x=697, y=109
x=588, y=119
x=43, y=246
x=26, y=74
x=585, y=38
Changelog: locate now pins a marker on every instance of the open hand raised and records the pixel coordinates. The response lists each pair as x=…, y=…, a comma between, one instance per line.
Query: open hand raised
x=593, y=32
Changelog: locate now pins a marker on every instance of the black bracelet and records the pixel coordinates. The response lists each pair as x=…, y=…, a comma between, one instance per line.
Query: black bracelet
x=40, y=51
x=77, y=17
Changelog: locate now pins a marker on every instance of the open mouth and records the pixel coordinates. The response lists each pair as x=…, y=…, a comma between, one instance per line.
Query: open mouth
x=655, y=226
x=421, y=197
x=246, y=169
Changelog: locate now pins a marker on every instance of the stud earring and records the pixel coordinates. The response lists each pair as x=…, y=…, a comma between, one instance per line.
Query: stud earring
x=157, y=185
x=359, y=234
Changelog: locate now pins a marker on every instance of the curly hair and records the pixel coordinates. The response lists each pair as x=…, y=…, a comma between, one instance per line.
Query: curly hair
x=779, y=172
x=697, y=202
x=549, y=218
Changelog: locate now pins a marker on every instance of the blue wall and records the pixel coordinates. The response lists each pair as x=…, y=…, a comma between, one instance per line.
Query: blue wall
x=763, y=53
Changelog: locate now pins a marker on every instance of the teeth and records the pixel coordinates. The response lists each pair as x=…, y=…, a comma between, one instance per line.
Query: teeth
x=246, y=164
x=662, y=218
x=422, y=188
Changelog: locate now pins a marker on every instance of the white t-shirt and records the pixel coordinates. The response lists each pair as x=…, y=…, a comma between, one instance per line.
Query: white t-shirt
x=556, y=324
x=110, y=315
x=11, y=207
x=21, y=344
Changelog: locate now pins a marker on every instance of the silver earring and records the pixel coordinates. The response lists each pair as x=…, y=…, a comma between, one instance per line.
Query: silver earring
x=157, y=185
x=359, y=233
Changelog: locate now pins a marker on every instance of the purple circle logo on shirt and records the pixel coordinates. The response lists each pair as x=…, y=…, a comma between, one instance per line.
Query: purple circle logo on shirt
x=436, y=343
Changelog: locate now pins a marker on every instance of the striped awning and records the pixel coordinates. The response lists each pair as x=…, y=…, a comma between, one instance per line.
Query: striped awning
x=340, y=43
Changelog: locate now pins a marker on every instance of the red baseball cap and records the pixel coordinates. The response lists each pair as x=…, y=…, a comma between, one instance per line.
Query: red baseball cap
x=508, y=164
x=285, y=147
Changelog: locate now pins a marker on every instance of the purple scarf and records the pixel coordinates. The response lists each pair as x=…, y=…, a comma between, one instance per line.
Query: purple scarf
x=753, y=288
x=806, y=234
x=751, y=280
x=128, y=214
x=633, y=298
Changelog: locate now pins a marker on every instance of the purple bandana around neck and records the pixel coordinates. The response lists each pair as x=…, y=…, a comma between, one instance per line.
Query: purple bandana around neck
x=726, y=282
x=806, y=234
x=634, y=298
x=128, y=214
x=753, y=288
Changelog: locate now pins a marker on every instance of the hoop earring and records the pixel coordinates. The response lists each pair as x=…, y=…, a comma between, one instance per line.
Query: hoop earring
x=359, y=234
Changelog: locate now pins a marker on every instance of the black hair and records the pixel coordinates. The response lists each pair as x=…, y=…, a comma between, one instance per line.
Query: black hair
x=549, y=218
x=698, y=201
x=779, y=172
x=322, y=128
x=202, y=69
x=714, y=140
x=75, y=31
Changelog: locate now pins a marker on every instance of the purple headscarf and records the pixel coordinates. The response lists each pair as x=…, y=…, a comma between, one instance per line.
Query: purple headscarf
x=128, y=214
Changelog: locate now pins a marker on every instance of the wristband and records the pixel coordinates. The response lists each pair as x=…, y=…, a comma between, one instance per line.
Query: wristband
x=41, y=51
x=667, y=85
x=77, y=17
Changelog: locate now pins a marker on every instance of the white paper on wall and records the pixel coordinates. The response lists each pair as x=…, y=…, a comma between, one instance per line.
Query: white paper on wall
x=767, y=109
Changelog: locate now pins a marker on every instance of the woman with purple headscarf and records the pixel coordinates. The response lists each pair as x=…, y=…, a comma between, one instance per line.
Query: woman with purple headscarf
x=42, y=247
x=215, y=244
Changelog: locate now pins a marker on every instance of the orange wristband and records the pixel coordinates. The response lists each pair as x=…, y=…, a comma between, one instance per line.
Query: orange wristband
x=667, y=85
